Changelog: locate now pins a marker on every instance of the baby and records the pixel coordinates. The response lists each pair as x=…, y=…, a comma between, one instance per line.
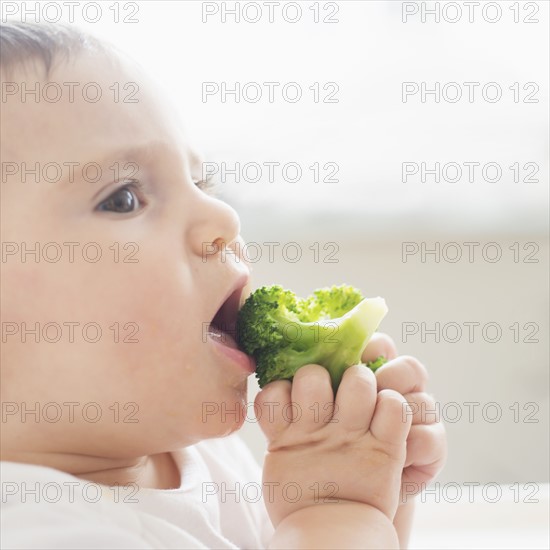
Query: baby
x=119, y=409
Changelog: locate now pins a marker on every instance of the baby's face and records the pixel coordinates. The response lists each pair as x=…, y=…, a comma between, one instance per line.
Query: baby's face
x=153, y=374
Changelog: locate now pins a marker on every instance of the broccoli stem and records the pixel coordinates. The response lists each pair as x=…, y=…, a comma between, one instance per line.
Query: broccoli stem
x=336, y=344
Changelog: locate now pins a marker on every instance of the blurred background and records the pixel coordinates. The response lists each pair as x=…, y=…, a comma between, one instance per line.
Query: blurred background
x=369, y=217
x=363, y=213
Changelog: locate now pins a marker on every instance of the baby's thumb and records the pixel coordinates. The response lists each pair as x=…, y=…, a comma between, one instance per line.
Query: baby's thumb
x=272, y=408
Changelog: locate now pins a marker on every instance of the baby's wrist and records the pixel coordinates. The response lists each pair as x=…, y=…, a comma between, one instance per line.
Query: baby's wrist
x=316, y=504
x=336, y=525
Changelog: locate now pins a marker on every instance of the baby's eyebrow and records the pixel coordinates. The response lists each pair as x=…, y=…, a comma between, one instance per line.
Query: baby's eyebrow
x=118, y=162
x=144, y=152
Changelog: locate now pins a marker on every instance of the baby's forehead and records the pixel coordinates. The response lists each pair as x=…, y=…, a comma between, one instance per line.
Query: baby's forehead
x=91, y=105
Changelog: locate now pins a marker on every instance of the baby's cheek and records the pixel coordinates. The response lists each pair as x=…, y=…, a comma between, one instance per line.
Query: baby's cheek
x=42, y=295
x=151, y=315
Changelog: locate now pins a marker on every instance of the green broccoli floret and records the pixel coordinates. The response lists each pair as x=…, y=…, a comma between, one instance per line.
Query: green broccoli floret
x=284, y=332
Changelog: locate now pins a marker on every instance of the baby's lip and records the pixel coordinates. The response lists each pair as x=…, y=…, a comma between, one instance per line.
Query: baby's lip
x=221, y=336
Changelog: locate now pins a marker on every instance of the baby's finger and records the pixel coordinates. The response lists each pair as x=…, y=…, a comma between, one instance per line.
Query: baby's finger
x=379, y=344
x=389, y=423
x=355, y=399
x=423, y=408
x=426, y=450
x=271, y=408
x=312, y=398
x=404, y=374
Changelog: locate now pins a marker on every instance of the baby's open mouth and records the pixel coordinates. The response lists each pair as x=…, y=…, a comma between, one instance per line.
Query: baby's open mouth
x=222, y=328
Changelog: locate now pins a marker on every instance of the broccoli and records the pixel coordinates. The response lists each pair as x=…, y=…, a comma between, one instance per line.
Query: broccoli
x=284, y=332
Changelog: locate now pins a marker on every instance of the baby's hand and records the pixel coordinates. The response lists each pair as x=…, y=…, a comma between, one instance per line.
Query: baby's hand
x=426, y=443
x=322, y=450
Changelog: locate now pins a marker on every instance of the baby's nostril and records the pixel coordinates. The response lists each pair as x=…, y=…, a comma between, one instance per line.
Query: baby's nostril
x=219, y=243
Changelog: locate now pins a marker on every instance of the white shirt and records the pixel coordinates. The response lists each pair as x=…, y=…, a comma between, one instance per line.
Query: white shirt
x=216, y=506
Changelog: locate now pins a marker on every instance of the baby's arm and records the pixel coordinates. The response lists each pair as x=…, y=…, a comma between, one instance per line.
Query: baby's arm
x=403, y=522
x=347, y=464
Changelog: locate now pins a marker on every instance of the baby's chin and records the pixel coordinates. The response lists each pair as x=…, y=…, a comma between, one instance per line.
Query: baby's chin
x=225, y=414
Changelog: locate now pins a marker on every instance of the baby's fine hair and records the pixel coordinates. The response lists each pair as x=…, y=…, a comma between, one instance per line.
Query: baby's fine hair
x=22, y=44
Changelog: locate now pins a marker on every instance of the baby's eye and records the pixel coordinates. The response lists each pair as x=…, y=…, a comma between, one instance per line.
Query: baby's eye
x=123, y=201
